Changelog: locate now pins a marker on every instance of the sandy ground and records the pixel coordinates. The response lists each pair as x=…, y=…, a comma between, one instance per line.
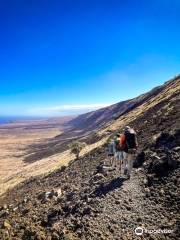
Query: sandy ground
x=14, y=140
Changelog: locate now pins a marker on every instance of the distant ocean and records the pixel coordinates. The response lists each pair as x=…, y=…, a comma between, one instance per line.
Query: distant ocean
x=4, y=120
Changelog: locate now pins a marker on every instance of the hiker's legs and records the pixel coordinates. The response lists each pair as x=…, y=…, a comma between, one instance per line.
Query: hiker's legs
x=123, y=161
x=112, y=159
x=130, y=161
x=127, y=164
x=109, y=159
x=116, y=156
x=120, y=159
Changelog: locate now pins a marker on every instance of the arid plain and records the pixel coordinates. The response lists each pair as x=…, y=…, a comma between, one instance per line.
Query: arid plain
x=16, y=139
x=32, y=148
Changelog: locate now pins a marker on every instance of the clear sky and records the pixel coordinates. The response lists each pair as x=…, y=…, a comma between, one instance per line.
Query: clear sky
x=63, y=57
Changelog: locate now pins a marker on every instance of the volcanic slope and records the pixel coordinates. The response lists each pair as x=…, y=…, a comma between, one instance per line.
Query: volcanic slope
x=89, y=200
x=93, y=126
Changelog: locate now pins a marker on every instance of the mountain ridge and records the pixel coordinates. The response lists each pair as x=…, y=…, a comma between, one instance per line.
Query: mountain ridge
x=114, y=111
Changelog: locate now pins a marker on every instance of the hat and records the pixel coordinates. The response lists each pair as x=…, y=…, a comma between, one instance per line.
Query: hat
x=127, y=128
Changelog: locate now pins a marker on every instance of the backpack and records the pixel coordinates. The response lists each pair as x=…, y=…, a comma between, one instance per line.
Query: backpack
x=111, y=148
x=131, y=141
x=121, y=143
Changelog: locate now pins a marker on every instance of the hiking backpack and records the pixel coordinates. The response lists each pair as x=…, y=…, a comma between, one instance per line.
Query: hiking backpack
x=121, y=143
x=131, y=141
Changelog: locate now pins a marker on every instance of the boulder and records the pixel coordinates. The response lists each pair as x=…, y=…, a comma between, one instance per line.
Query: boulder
x=58, y=192
x=45, y=196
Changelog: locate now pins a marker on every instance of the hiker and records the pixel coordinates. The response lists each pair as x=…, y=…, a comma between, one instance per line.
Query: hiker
x=111, y=152
x=120, y=154
x=129, y=145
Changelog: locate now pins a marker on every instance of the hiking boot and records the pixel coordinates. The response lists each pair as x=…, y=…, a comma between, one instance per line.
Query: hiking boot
x=128, y=176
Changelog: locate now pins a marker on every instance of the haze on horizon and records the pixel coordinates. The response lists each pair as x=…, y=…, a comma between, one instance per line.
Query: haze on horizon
x=69, y=57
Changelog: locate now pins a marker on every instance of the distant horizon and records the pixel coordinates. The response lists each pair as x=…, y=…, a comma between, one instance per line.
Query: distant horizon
x=75, y=107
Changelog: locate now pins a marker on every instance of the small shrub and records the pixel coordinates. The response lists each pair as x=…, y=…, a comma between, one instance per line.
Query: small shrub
x=76, y=147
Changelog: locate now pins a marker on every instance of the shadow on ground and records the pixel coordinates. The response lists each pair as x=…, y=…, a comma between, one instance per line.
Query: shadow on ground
x=103, y=189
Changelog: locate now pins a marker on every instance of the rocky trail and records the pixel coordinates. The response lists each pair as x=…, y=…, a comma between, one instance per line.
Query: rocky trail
x=91, y=201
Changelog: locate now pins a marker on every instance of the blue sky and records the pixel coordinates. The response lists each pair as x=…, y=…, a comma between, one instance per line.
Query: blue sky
x=66, y=57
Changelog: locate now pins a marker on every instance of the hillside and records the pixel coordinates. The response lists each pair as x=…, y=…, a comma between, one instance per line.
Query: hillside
x=96, y=125
x=99, y=118
x=89, y=200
